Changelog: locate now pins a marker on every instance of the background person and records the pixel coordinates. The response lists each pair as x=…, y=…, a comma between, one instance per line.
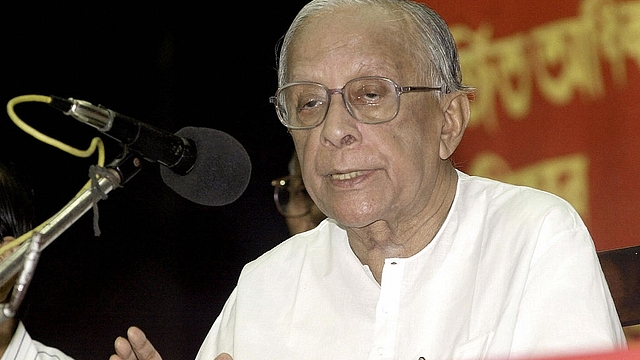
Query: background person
x=17, y=218
x=293, y=201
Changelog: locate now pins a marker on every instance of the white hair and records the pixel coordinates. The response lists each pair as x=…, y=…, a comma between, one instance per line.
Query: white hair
x=435, y=47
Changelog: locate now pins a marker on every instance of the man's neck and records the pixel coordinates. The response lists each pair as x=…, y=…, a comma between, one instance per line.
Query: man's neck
x=382, y=239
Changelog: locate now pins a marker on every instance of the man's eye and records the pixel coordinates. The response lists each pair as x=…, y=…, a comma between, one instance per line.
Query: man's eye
x=310, y=104
x=370, y=97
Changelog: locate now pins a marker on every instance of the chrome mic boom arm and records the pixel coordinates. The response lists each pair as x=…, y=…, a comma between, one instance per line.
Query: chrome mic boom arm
x=25, y=258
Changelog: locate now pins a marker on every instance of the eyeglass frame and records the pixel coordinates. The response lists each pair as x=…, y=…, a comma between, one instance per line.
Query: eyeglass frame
x=277, y=184
x=399, y=90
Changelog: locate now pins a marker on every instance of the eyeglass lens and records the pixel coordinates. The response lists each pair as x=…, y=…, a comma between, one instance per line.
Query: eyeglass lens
x=292, y=199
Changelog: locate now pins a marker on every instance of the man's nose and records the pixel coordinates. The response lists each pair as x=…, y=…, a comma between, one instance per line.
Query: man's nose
x=339, y=127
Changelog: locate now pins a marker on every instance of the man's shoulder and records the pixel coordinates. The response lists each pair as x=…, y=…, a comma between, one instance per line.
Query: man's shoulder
x=293, y=252
x=498, y=192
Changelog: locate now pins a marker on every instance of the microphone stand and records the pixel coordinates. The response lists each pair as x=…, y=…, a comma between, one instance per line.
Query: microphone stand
x=25, y=258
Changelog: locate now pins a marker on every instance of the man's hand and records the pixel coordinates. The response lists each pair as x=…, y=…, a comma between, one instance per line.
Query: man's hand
x=138, y=347
x=135, y=347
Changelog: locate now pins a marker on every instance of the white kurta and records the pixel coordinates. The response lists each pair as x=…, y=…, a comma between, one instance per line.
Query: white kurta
x=22, y=347
x=513, y=271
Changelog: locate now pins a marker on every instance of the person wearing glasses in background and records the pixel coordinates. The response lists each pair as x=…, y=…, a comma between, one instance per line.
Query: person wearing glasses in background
x=416, y=260
x=293, y=201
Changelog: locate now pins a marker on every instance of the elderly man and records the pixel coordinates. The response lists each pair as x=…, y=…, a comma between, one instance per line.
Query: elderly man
x=416, y=259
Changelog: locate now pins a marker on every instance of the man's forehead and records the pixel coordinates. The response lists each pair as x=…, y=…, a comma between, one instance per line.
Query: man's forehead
x=364, y=17
x=364, y=45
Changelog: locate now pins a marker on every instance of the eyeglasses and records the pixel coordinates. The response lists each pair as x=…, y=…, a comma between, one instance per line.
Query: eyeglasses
x=370, y=100
x=291, y=197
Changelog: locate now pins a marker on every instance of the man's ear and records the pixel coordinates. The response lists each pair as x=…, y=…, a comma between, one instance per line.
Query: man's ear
x=455, y=107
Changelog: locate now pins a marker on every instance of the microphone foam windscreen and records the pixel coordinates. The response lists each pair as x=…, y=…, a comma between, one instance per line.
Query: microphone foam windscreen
x=221, y=171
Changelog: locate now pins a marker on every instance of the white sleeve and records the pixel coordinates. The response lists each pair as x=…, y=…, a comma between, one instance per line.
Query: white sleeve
x=566, y=305
x=22, y=347
x=220, y=337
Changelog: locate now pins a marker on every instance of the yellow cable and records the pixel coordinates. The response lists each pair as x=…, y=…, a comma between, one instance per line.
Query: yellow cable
x=96, y=143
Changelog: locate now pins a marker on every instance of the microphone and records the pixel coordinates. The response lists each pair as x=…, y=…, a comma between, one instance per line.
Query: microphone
x=206, y=166
x=220, y=173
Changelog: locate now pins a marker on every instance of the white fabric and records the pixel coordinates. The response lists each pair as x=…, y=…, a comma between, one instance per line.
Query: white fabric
x=22, y=347
x=512, y=271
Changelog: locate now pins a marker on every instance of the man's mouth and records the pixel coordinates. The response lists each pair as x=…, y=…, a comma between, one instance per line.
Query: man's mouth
x=346, y=176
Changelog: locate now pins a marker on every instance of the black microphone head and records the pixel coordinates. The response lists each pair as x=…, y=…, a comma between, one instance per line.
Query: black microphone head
x=221, y=171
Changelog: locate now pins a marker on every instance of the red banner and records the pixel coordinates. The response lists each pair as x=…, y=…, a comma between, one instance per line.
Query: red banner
x=557, y=104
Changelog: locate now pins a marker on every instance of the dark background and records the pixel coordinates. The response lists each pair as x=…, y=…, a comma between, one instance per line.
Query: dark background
x=162, y=262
